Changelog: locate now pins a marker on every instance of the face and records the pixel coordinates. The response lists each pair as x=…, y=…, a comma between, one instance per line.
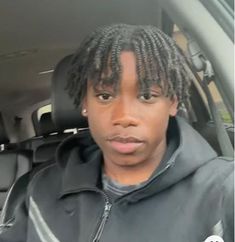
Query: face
x=128, y=125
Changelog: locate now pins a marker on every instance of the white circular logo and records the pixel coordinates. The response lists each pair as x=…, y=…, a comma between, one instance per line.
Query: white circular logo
x=214, y=238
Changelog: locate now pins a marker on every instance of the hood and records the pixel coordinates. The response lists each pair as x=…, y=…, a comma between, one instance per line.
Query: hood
x=80, y=160
x=79, y=146
x=193, y=151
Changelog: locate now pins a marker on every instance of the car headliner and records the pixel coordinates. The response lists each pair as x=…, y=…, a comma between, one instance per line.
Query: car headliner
x=35, y=35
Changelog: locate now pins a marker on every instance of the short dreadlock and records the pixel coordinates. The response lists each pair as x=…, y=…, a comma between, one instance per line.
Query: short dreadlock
x=159, y=61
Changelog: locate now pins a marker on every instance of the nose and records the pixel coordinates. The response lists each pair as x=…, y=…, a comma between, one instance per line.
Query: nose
x=124, y=114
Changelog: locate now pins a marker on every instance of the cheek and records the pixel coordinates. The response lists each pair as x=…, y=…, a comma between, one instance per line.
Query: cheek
x=158, y=126
x=95, y=120
x=158, y=113
x=156, y=122
x=97, y=125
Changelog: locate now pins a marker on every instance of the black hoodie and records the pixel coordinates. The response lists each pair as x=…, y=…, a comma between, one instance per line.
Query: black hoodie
x=187, y=199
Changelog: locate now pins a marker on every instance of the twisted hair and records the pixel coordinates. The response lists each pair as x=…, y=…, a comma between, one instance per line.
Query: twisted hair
x=158, y=61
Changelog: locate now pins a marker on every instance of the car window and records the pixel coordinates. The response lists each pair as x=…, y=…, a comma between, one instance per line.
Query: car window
x=223, y=12
x=225, y=115
x=211, y=100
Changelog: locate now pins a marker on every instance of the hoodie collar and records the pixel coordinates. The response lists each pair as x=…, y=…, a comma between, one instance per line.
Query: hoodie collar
x=80, y=160
x=192, y=153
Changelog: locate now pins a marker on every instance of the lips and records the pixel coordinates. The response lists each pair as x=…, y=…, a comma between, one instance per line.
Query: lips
x=125, y=145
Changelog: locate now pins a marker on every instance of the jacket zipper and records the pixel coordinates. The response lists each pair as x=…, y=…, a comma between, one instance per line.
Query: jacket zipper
x=107, y=210
x=104, y=219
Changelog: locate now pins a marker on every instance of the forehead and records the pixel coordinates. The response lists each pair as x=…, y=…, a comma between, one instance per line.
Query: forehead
x=128, y=64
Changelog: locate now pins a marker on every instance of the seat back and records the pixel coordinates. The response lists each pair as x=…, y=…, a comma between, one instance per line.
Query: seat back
x=13, y=164
x=49, y=137
x=3, y=134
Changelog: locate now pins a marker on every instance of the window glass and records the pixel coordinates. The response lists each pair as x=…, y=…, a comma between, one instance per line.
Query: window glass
x=44, y=109
x=182, y=42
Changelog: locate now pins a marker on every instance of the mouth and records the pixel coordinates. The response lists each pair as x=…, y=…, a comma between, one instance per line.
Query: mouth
x=125, y=144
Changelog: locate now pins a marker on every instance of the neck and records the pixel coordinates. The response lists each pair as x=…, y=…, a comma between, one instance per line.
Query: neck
x=132, y=174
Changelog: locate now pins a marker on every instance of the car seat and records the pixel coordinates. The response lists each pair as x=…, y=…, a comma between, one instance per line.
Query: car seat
x=65, y=116
x=13, y=164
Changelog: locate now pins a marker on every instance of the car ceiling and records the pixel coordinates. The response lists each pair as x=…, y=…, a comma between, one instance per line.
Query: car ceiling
x=35, y=35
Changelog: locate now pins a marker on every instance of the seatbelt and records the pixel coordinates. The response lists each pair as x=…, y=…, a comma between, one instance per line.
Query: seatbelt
x=201, y=63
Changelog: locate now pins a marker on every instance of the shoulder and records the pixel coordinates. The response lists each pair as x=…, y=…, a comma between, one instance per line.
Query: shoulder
x=220, y=167
x=217, y=174
x=45, y=178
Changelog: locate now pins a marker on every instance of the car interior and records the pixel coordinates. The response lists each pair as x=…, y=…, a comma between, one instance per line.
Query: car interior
x=36, y=46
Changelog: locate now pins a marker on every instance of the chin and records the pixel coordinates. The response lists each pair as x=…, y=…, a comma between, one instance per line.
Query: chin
x=127, y=161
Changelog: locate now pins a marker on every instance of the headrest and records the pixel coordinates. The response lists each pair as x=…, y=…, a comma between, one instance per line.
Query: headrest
x=46, y=125
x=3, y=135
x=64, y=113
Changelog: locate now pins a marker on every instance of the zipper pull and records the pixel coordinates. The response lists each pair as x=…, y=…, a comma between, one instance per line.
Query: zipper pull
x=107, y=209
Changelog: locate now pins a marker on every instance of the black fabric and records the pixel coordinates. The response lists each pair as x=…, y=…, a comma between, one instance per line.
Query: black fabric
x=3, y=196
x=183, y=201
x=13, y=164
x=15, y=197
x=17, y=194
x=45, y=152
x=3, y=134
x=86, y=143
x=44, y=146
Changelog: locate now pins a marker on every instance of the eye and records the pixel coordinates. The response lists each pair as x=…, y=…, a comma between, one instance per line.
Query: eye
x=148, y=97
x=104, y=97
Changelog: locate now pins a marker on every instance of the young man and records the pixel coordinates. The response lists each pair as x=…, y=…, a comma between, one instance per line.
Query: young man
x=140, y=174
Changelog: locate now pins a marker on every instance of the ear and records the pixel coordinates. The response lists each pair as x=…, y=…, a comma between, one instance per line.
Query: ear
x=173, y=106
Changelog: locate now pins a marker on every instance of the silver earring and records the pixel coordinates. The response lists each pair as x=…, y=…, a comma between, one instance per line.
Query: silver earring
x=84, y=111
